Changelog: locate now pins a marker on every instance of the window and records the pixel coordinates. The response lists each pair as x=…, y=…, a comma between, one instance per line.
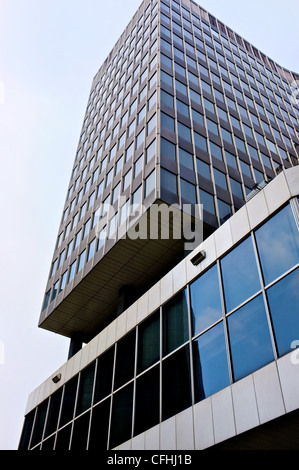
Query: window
x=151, y=125
x=285, y=320
x=147, y=400
x=125, y=358
x=205, y=301
x=72, y=271
x=138, y=166
x=169, y=181
x=216, y=151
x=175, y=322
x=278, y=244
x=200, y=142
x=81, y=261
x=140, y=138
x=184, y=132
x=210, y=363
x=167, y=121
x=207, y=201
x=240, y=274
x=186, y=159
x=150, y=184
x=176, y=388
x=150, y=151
x=250, y=340
x=168, y=149
x=148, y=342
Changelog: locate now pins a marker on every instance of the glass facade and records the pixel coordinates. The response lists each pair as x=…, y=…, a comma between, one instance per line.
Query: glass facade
x=194, y=345
x=202, y=114
x=182, y=111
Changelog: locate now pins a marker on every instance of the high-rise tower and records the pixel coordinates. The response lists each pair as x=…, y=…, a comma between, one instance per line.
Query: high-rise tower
x=177, y=251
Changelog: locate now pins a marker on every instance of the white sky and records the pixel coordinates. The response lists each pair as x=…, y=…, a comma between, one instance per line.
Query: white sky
x=50, y=51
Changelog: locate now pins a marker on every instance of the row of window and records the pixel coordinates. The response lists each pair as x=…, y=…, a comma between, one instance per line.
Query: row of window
x=208, y=27
x=238, y=316
x=130, y=209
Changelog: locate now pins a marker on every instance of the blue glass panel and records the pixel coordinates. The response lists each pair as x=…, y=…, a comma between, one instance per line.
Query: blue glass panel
x=205, y=301
x=278, y=244
x=250, y=340
x=210, y=363
x=283, y=300
x=240, y=274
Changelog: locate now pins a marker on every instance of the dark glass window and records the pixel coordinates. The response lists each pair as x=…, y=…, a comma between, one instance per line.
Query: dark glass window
x=167, y=99
x=175, y=322
x=99, y=426
x=283, y=299
x=85, y=389
x=186, y=159
x=168, y=149
x=53, y=412
x=278, y=244
x=121, y=418
x=148, y=342
x=147, y=400
x=207, y=201
x=188, y=192
x=176, y=388
x=80, y=432
x=68, y=403
x=210, y=363
x=203, y=169
x=39, y=423
x=167, y=121
x=125, y=359
x=184, y=132
x=205, y=301
x=26, y=432
x=103, y=381
x=200, y=142
x=249, y=338
x=216, y=151
x=182, y=108
x=240, y=274
x=169, y=181
x=224, y=210
x=63, y=438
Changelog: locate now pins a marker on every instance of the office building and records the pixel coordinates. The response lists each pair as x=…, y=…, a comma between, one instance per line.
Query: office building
x=176, y=264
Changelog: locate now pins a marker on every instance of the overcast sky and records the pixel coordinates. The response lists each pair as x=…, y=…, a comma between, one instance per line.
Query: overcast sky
x=50, y=51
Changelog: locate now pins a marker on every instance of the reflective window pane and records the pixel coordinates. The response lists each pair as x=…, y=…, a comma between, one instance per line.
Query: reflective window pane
x=175, y=322
x=148, y=342
x=210, y=363
x=249, y=337
x=205, y=301
x=176, y=388
x=240, y=274
x=278, y=244
x=283, y=299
